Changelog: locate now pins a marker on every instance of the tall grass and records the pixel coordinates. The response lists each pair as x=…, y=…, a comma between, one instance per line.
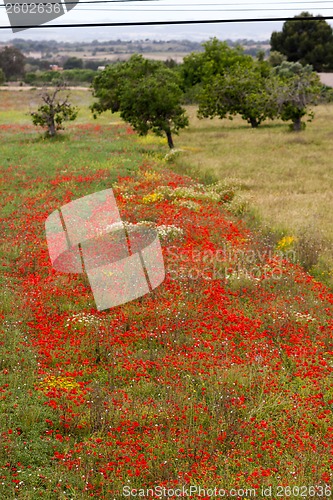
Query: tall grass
x=286, y=177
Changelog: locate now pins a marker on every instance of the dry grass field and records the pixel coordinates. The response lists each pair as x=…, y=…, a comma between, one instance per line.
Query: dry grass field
x=286, y=178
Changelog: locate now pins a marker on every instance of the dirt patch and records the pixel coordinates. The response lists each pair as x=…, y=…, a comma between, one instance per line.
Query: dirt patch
x=326, y=78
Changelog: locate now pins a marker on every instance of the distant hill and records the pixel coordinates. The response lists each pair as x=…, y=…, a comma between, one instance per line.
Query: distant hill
x=110, y=50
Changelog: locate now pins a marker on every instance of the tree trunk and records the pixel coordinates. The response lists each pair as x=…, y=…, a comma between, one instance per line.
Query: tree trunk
x=169, y=137
x=297, y=124
x=50, y=122
x=254, y=123
x=52, y=129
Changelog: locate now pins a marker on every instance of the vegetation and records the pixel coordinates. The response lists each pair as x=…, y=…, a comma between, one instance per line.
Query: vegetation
x=308, y=41
x=199, y=68
x=73, y=63
x=146, y=93
x=245, y=90
x=222, y=376
x=284, y=181
x=12, y=62
x=297, y=87
x=55, y=48
x=72, y=76
x=54, y=111
x=225, y=82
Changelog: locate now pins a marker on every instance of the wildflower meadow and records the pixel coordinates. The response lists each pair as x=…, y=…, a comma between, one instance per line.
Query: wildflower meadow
x=217, y=383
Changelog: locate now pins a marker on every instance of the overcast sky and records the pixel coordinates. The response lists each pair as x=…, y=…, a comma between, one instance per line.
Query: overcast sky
x=168, y=10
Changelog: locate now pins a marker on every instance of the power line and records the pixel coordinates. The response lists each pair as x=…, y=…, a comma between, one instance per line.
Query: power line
x=186, y=10
x=168, y=23
x=92, y=2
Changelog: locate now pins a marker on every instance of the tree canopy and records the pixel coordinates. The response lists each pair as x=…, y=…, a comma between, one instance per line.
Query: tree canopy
x=258, y=92
x=73, y=63
x=298, y=87
x=54, y=110
x=12, y=62
x=308, y=41
x=199, y=68
x=146, y=93
x=243, y=90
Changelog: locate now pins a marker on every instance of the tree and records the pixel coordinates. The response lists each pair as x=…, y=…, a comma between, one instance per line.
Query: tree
x=2, y=77
x=199, y=68
x=146, y=93
x=244, y=90
x=54, y=111
x=171, y=63
x=107, y=85
x=73, y=63
x=12, y=62
x=153, y=103
x=296, y=89
x=308, y=41
x=276, y=58
x=216, y=59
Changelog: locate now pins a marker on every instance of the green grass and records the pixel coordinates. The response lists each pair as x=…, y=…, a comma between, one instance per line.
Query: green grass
x=16, y=105
x=82, y=156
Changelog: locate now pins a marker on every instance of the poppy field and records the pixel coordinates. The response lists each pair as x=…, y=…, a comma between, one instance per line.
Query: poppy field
x=217, y=383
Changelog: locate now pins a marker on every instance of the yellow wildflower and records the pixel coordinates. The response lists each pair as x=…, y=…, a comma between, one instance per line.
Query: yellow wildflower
x=152, y=198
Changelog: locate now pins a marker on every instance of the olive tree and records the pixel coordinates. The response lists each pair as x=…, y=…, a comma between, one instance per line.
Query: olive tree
x=296, y=88
x=54, y=110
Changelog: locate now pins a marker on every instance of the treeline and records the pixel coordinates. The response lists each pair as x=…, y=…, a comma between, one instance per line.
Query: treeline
x=17, y=62
x=221, y=80
x=146, y=45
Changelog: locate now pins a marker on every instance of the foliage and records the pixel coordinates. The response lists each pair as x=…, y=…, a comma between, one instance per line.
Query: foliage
x=297, y=87
x=309, y=41
x=216, y=59
x=153, y=103
x=2, y=77
x=72, y=76
x=242, y=90
x=73, y=63
x=276, y=58
x=146, y=93
x=107, y=85
x=54, y=111
x=221, y=376
x=12, y=62
x=200, y=67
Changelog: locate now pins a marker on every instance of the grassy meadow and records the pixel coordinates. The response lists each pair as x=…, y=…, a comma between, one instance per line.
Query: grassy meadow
x=219, y=378
x=285, y=179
